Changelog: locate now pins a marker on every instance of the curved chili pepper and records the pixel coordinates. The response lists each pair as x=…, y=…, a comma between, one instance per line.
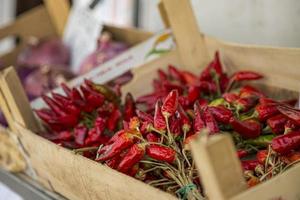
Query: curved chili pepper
x=170, y=104
x=120, y=143
x=104, y=90
x=224, y=81
x=263, y=112
x=249, y=164
x=261, y=156
x=133, y=156
x=206, y=86
x=210, y=121
x=184, y=119
x=144, y=116
x=245, y=76
x=214, y=66
x=184, y=101
x=247, y=128
x=241, y=153
x=129, y=107
x=248, y=90
x=189, y=78
x=162, y=75
x=175, y=126
x=265, y=100
x=159, y=120
x=277, y=123
x=66, y=89
x=45, y=114
x=65, y=121
x=193, y=94
x=92, y=98
x=112, y=121
x=168, y=87
x=198, y=121
x=161, y=153
x=53, y=106
x=246, y=103
x=221, y=114
x=80, y=133
x=284, y=144
x=134, y=170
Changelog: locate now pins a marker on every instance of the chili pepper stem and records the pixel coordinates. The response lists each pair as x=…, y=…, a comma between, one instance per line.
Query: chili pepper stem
x=76, y=151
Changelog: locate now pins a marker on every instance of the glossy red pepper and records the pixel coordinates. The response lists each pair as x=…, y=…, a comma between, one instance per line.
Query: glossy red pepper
x=92, y=98
x=221, y=113
x=176, y=126
x=65, y=121
x=264, y=112
x=284, y=144
x=161, y=153
x=159, y=120
x=210, y=121
x=249, y=164
x=248, y=90
x=198, y=121
x=261, y=156
x=120, y=143
x=230, y=97
x=247, y=128
x=170, y=104
x=144, y=116
x=290, y=112
x=193, y=94
x=246, y=103
x=245, y=76
x=133, y=156
x=129, y=107
x=113, y=119
x=277, y=123
x=184, y=119
x=53, y=106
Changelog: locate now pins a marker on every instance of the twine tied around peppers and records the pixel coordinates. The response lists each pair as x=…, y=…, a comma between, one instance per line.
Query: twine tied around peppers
x=183, y=192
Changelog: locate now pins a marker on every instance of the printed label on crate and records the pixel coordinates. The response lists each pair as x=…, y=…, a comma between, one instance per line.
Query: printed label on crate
x=81, y=34
x=136, y=56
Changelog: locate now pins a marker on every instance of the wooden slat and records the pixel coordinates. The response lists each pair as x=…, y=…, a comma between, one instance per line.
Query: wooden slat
x=218, y=166
x=58, y=11
x=16, y=99
x=190, y=43
x=163, y=14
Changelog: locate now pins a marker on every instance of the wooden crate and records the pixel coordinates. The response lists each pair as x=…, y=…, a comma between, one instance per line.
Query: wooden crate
x=76, y=177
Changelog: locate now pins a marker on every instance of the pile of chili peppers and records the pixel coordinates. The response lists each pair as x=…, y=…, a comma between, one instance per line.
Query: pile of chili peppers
x=151, y=141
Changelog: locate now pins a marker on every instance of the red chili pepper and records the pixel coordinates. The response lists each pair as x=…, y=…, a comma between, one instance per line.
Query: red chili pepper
x=66, y=89
x=133, y=156
x=241, y=153
x=290, y=125
x=170, y=104
x=95, y=135
x=120, y=143
x=224, y=81
x=175, y=73
x=113, y=162
x=248, y=90
x=245, y=76
x=290, y=112
x=92, y=98
x=134, y=170
x=175, y=126
x=80, y=133
x=162, y=75
x=161, y=153
x=66, y=121
x=277, y=123
x=129, y=107
x=112, y=121
x=53, y=106
x=159, y=120
x=293, y=156
x=193, y=94
x=214, y=67
x=284, y=144
x=66, y=104
x=264, y=101
x=168, y=87
x=230, y=97
x=45, y=114
x=144, y=116
x=198, y=121
x=247, y=128
x=208, y=87
x=249, y=164
x=264, y=112
x=150, y=99
x=202, y=103
x=210, y=121
x=244, y=104
x=152, y=137
x=221, y=114
x=189, y=78
x=261, y=156
x=184, y=119
x=157, y=85
x=184, y=101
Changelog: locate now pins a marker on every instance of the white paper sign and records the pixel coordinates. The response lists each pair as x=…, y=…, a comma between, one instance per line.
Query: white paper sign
x=7, y=193
x=81, y=34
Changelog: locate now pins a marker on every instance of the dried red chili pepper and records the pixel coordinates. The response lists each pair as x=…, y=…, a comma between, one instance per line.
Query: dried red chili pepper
x=113, y=119
x=242, y=153
x=189, y=78
x=65, y=121
x=45, y=114
x=175, y=74
x=230, y=97
x=152, y=137
x=248, y=90
x=284, y=144
x=221, y=114
x=162, y=75
x=95, y=135
x=247, y=128
x=116, y=145
x=277, y=123
x=80, y=133
x=213, y=67
x=53, y=106
x=198, y=121
x=249, y=164
x=144, y=116
x=170, y=104
x=244, y=104
x=129, y=107
x=245, y=76
x=210, y=122
x=184, y=119
x=175, y=126
x=206, y=86
x=159, y=120
x=193, y=94
x=224, y=81
x=157, y=85
x=134, y=170
x=66, y=89
x=290, y=112
x=133, y=156
x=168, y=87
x=261, y=156
x=263, y=112
x=161, y=153
x=184, y=101
x=92, y=98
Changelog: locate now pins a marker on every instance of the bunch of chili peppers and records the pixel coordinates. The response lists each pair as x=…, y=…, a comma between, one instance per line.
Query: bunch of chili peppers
x=152, y=142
